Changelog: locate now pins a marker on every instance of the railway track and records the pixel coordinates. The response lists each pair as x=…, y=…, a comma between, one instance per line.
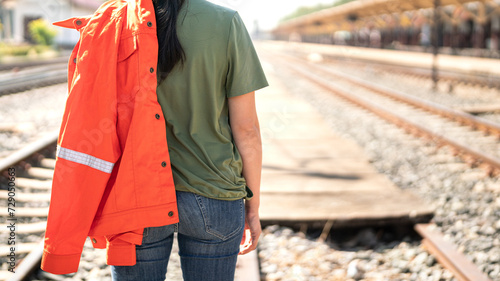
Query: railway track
x=31, y=63
x=28, y=173
x=479, y=143
x=13, y=82
x=474, y=138
x=451, y=78
x=395, y=62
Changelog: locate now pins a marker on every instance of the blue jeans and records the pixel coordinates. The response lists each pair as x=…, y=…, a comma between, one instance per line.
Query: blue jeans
x=209, y=236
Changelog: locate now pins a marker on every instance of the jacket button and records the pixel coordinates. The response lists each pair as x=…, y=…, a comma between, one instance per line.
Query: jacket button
x=94, y=241
x=150, y=24
x=74, y=60
x=164, y=164
x=78, y=22
x=151, y=70
x=170, y=214
x=157, y=116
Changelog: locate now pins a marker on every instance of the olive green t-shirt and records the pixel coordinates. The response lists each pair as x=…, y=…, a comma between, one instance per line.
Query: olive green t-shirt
x=221, y=63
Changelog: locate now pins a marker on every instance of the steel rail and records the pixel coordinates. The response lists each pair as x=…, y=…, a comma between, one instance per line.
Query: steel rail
x=444, y=75
x=17, y=82
x=30, y=63
x=455, y=115
x=27, y=151
x=448, y=76
x=447, y=255
x=452, y=114
x=28, y=265
x=39, y=69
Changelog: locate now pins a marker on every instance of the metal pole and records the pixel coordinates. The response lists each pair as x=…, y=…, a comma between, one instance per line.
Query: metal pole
x=1, y=20
x=435, y=43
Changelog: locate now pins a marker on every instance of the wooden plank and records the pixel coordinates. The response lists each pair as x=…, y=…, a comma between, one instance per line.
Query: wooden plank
x=32, y=212
x=326, y=182
x=5, y=275
x=33, y=183
x=21, y=248
x=344, y=208
x=26, y=197
x=446, y=254
x=8, y=128
x=48, y=163
x=311, y=175
x=25, y=228
x=481, y=109
x=42, y=173
x=17, y=127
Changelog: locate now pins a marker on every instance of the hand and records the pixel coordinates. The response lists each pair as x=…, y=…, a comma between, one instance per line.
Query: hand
x=251, y=234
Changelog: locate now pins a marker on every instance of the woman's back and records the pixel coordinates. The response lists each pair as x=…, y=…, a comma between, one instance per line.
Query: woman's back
x=220, y=63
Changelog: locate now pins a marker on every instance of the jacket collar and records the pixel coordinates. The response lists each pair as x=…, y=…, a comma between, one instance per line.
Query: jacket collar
x=74, y=23
x=142, y=8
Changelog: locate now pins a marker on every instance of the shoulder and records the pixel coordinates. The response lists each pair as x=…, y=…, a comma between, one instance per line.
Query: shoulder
x=102, y=27
x=215, y=12
x=108, y=17
x=217, y=8
x=113, y=8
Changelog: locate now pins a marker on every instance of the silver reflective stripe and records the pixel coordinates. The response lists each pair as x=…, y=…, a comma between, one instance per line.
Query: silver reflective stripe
x=85, y=159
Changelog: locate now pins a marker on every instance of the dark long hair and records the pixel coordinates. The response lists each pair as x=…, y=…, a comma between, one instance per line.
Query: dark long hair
x=170, y=51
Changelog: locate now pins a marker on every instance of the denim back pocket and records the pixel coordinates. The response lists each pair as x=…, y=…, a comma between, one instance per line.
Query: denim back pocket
x=222, y=219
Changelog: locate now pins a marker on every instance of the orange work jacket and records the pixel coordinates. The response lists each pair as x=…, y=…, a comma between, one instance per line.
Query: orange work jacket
x=112, y=176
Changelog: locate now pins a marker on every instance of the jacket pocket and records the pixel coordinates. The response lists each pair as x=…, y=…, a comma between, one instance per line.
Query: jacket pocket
x=127, y=71
x=126, y=48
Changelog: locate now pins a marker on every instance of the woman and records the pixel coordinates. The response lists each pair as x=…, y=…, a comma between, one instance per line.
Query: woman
x=117, y=181
x=208, y=72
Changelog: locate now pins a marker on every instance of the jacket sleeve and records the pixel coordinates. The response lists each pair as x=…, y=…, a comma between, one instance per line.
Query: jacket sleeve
x=88, y=145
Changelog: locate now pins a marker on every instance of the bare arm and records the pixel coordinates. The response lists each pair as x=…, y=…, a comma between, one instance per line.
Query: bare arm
x=246, y=133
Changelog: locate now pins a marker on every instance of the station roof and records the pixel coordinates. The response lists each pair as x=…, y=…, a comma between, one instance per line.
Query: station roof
x=90, y=4
x=364, y=8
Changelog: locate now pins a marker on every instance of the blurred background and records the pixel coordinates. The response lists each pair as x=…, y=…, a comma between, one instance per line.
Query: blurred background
x=380, y=128
x=462, y=24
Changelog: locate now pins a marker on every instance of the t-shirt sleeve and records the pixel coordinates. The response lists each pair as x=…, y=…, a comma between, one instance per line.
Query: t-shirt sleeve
x=245, y=73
